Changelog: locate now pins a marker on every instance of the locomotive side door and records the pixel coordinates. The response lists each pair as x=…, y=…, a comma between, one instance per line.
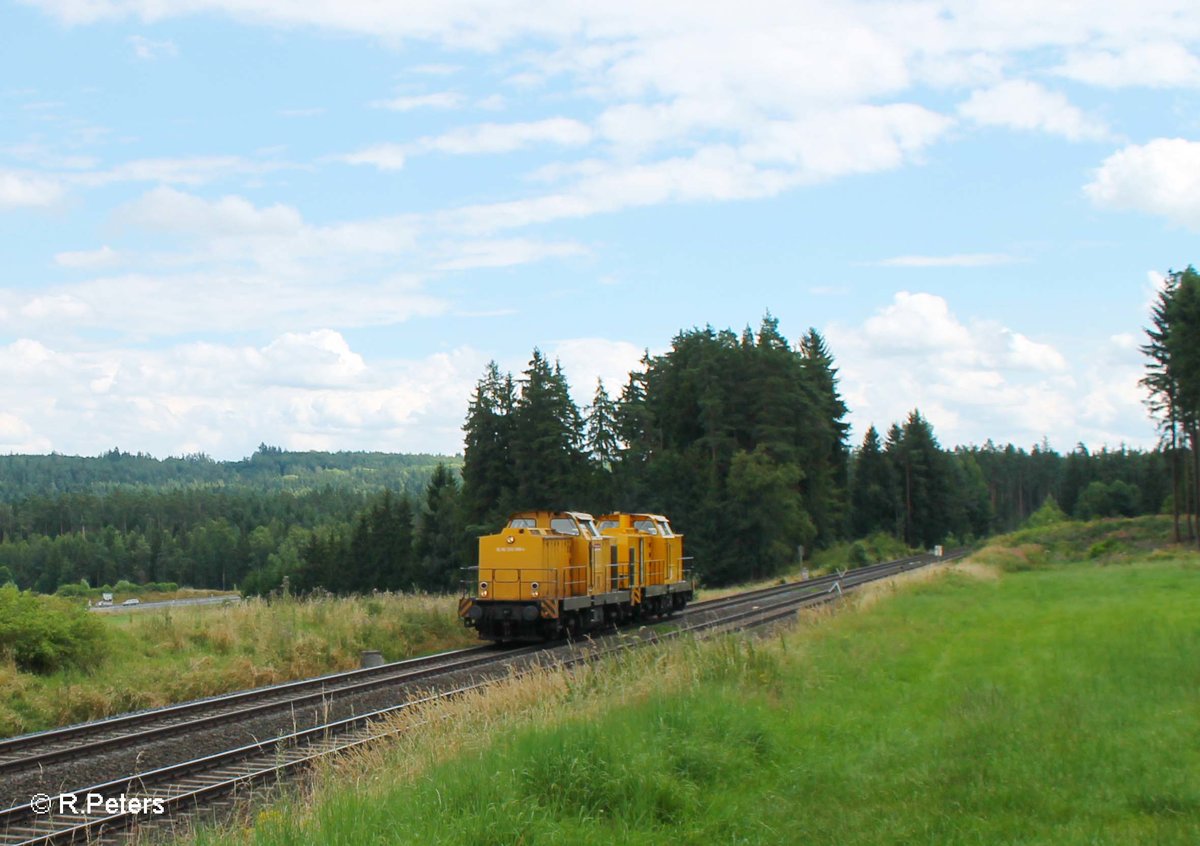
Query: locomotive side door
x=596, y=560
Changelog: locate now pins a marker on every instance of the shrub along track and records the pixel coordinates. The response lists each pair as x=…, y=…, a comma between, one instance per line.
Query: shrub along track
x=308, y=720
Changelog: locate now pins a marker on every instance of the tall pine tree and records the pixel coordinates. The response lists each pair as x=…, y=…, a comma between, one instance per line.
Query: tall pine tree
x=489, y=478
x=548, y=460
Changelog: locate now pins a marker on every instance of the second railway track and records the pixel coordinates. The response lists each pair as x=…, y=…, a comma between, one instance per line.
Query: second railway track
x=41, y=749
x=195, y=782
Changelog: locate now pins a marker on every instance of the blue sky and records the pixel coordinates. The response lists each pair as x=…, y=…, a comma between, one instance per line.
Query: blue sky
x=311, y=224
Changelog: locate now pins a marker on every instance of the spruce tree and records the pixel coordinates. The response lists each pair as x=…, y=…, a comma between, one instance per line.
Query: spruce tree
x=547, y=449
x=1173, y=379
x=827, y=500
x=603, y=447
x=439, y=544
x=602, y=441
x=488, y=471
x=873, y=506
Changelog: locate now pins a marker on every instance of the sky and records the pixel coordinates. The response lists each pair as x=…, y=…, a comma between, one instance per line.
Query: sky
x=312, y=224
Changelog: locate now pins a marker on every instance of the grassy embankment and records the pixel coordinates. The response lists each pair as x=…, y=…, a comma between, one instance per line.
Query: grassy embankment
x=152, y=656
x=156, y=657
x=1053, y=705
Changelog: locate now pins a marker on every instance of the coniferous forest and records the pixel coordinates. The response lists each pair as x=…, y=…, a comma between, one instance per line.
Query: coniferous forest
x=741, y=439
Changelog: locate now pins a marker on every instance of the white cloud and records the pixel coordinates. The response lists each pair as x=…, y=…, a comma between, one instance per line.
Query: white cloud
x=168, y=210
x=957, y=260
x=382, y=156
x=436, y=69
x=106, y=256
x=1024, y=354
x=584, y=360
x=299, y=390
x=1027, y=106
x=191, y=171
x=149, y=50
x=1165, y=64
x=870, y=139
x=601, y=187
x=236, y=266
x=54, y=308
x=320, y=358
x=439, y=100
x=1161, y=177
x=507, y=137
x=860, y=139
x=17, y=436
x=43, y=155
x=472, y=140
x=235, y=232
x=506, y=253
x=312, y=111
x=977, y=379
x=241, y=267
x=24, y=190
x=916, y=323
x=140, y=305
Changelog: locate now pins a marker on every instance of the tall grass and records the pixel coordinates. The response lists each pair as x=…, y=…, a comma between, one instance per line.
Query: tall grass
x=1111, y=540
x=1056, y=706
x=158, y=657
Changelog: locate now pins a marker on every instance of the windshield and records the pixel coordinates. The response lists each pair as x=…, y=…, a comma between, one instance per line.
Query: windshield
x=522, y=523
x=564, y=526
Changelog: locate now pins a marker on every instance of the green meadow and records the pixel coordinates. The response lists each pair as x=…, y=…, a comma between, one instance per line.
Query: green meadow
x=1055, y=704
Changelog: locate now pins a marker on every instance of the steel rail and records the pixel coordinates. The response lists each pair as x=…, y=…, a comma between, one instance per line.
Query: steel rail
x=65, y=743
x=218, y=774
x=818, y=582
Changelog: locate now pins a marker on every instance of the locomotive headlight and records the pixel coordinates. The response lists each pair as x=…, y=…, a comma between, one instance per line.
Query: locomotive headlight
x=533, y=588
x=483, y=588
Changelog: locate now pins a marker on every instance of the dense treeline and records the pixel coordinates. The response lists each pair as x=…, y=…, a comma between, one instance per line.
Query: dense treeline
x=742, y=441
x=198, y=537
x=976, y=491
x=740, y=438
x=268, y=469
x=191, y=521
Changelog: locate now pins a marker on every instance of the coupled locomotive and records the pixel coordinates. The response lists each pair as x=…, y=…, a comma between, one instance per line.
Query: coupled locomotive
x=547, y=574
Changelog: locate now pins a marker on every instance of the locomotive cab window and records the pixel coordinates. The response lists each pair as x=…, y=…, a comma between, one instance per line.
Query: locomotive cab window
x=665, y=528
x=646, y=526
x=589, y=528
x=522, y=523
x=608, y=524
x=564, y=526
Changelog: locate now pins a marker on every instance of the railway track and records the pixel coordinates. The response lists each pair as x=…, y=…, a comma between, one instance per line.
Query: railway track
x=207, y=780
x=42, y=748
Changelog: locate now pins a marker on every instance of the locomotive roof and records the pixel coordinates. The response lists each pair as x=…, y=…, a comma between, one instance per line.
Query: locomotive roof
x=578, y=515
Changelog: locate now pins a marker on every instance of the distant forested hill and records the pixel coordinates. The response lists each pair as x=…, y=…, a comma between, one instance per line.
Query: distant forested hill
x=270, y=469
x=67, y=520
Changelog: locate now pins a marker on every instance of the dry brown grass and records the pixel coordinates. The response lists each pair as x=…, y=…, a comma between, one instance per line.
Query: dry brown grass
x=976, y=569
x=171, y=655
x=1026, y=556
x=868, y=595
x=722, y=592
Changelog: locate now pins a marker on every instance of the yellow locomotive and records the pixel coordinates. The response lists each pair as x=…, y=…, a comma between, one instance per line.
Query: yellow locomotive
x=550, y=573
